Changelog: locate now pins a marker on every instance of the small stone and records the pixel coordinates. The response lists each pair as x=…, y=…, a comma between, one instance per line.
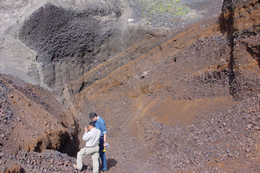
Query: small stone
x=249, y=126
x=230, y=155
x=60, y=163
x=229, y=130
x=257, y=128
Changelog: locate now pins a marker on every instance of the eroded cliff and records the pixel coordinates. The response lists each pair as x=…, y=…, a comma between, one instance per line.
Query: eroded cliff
x=174, y=100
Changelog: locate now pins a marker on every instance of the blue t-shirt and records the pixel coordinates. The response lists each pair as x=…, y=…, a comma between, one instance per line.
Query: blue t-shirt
x=101, y=125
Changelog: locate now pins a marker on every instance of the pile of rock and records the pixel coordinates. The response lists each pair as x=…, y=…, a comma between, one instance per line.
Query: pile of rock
x=49, y=161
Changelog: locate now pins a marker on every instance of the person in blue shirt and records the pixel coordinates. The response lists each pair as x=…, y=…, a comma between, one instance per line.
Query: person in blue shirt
x=101, y=125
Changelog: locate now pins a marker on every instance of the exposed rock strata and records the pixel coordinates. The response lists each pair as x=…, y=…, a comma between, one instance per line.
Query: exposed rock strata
x=33, y=120
x=183, y=101
x=241, y=22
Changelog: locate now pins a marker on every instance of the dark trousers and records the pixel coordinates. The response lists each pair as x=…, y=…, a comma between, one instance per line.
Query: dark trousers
x=102, y=154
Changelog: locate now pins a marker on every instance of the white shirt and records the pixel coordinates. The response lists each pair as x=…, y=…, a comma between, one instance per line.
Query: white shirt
x=92, y=137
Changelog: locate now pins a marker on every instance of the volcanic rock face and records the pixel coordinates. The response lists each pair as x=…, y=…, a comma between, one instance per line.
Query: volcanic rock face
x=33, y=120
x=241, y=23
x=176, y=100
x=67, y=39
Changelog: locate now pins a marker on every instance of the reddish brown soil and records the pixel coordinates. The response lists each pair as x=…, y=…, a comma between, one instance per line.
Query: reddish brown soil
x=32, y=119
x=186, y=101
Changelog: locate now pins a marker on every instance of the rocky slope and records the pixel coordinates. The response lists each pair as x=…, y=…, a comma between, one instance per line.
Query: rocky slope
x=33, y=120
x=182, y=99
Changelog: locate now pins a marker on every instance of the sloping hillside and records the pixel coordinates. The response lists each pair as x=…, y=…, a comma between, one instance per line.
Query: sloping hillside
x=183, y=98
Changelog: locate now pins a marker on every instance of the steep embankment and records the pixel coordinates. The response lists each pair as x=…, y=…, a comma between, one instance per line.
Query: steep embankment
x=182, y=100
x=33, y=120
x=190, y=102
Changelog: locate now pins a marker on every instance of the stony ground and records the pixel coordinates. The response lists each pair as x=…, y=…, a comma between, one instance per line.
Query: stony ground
x=180, y=100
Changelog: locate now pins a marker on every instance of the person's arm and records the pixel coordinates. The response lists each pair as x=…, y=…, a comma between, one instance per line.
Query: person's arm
x=105, y=139
x=104, y=130
x=86, y=135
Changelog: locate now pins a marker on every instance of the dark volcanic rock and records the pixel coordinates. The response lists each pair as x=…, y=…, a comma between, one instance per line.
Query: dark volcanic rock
x=186, y=101
x=57, y=33
x=63, y=36
x=70, y=43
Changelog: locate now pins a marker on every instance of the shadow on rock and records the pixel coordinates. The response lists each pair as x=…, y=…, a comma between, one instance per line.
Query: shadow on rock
x=15, y=169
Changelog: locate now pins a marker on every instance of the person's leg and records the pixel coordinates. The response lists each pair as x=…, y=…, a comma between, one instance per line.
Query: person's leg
x=82, y=153
x=80, y=156
x=102, y=155
x=104, y=161
x=95, y=157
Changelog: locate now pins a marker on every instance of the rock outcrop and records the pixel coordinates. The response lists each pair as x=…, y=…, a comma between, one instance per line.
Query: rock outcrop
x=241, y=22
x=33, y=120
x=174, y=100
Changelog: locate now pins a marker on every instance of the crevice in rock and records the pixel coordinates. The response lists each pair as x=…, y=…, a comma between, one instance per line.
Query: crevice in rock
x=38, y=147
x=61, y=141
x=227, y=26
x=69, y=144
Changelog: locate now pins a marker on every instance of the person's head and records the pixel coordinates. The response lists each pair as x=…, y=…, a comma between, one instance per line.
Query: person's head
x=91, y=125
x=93, y=116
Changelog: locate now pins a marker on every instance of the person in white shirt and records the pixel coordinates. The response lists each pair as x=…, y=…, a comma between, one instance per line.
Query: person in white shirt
x=91, y=136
